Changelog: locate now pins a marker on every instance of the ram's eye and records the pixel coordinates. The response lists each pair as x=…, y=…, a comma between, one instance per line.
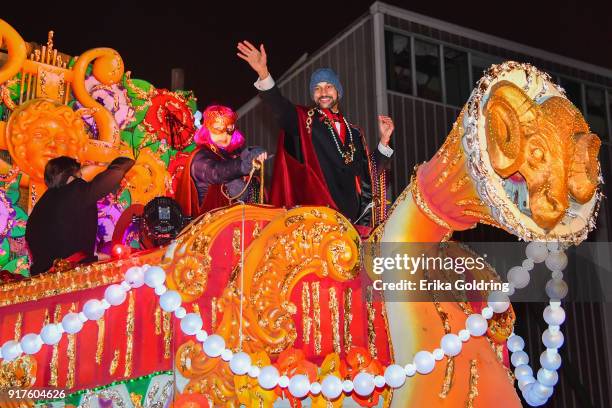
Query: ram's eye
x=537, y=154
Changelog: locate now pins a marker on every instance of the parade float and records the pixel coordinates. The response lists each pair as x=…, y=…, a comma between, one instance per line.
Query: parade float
x=259, y=306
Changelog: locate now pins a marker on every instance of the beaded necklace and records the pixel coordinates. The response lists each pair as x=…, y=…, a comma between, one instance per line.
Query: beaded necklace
x=348, y=154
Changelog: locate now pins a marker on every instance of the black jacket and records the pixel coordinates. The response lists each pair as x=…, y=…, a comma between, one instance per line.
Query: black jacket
x=65, y=219
x=340, y=177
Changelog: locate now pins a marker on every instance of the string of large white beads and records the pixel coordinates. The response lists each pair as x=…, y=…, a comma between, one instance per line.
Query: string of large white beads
x=535, y=391
x=331, y=387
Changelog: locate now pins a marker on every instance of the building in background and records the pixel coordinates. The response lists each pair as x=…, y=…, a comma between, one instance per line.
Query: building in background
x=420, y=71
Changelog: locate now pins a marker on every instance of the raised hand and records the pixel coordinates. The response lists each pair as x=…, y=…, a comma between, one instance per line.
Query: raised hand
x=262, y=157
x=257, y=58
x=385, y=127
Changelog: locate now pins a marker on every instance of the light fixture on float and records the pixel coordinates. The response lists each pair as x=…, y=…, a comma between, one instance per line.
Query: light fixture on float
x=121, y=251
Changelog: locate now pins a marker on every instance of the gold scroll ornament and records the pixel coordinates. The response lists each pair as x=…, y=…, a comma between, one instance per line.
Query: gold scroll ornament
x=295, y=244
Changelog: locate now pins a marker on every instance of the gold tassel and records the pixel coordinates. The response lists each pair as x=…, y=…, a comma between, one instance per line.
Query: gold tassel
x=256, y=231
x=158, y=321
x=167, y=335
x=306, y=319
x=114, y=363
x=129, y=342
x=71, y=352
x=335, y=319
x=236, y=241
x=100, y=345
x=213, y=314
x=348, y=318
x=371, y=317
x=473, y=384
x=55, y=354
x=18, y=324
x=449, y=374
x=443, y=316
x=316, y=313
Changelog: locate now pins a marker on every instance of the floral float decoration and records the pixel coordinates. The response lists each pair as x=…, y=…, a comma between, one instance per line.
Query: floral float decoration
x=171, y=118
x=114, y=98
x=155, y=126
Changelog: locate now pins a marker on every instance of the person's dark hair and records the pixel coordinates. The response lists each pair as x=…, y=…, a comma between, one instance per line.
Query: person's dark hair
x=59, y=170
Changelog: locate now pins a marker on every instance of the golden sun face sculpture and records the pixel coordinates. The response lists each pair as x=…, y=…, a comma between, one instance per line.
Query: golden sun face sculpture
x=42, y=129
x=549, y=144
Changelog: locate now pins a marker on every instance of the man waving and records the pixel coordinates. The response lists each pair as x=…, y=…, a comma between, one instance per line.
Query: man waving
x=322, y=158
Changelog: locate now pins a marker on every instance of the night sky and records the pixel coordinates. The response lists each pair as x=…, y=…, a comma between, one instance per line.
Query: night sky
x=201, y=38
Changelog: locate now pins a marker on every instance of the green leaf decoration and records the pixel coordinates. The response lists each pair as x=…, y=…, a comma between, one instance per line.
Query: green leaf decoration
x=133, y=136
x=5, y=253
x=166, y=157
x=11, y=266
x=154, y=147
x=190, y=148
x=14, y=87
x=139, y=115
x=138, y=83
x=19, y=231
x=190, y=99
x=134, y=244
x=125, y=198
x=12, y=192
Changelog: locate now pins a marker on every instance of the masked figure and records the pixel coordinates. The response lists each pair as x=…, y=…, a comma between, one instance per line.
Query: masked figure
x=220, y=169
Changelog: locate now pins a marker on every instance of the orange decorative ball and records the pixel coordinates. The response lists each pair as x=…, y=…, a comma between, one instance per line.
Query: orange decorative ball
x=191, y=401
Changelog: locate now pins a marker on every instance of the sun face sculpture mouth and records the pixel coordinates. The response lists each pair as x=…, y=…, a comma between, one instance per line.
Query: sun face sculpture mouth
x=519, y=123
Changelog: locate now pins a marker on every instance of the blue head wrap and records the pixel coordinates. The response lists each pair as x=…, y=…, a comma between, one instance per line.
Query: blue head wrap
x=325, y=75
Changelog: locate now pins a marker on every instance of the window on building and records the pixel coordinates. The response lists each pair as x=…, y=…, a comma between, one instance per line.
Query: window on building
x=573, y=91
x=456, y=76
x=399, y=62
x=481, y=63
x=428, y=76
x=596, y=111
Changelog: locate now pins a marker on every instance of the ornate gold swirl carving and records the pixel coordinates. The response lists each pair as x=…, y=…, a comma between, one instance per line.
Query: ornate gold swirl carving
x=19, y=373
x=188, y=262
x=293, y=245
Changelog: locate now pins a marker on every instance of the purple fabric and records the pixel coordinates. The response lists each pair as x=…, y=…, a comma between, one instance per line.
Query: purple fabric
x=7, y=215
x=208, y=168
x=105, y=402
x=109, y=212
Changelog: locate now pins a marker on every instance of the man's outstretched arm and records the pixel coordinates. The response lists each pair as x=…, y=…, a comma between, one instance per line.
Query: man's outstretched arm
x=283, y=110
x=109, y=180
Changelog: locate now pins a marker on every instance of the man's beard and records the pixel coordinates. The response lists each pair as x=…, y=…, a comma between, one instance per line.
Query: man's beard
x=332, y=104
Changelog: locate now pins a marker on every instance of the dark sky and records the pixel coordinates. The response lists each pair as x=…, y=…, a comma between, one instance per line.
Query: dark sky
x=201, y=37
